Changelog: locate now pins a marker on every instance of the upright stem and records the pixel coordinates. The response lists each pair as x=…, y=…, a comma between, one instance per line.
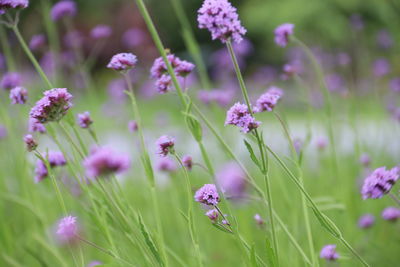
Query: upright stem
x=6, y=49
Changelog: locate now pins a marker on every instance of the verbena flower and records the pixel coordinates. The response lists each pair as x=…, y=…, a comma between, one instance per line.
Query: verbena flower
x=37, y=42
x=322, y=142
x=240, y=116
x=381, y=67
x=232, y=181
x=207, y=194
x=53, y=106
x=329, y=253
x=282, y=34
x=212, y=215
x=122, y=62
x=67, y=229
x=366, y=221
x=391, y=214
x=164, y=145
x=133, y=37
x=3, y=132
x=379, y=183
x=30, y=143
x=116, y=89
x=35, y=126
x=159, y=71
x=221, y=19
x=18, y=95
x=65, y=8
x=104, y=161
x=94, y=263
x=84, y=120
x=395, y=84
x=166, y=165
x=268, y=100
x=11, y=4
x=187, y=162
x=55, y=159
x=101, y=32
x=365, y=160
x=258, y=219
x=132, y=126
x=220, y=96
x=384, y=39
x=11, y=80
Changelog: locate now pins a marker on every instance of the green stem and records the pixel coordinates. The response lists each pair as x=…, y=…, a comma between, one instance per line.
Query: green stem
x=6, y=49
x=71, y=140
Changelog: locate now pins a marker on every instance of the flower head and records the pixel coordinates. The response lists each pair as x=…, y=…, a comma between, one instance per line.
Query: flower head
x=187, y=162
x=53, y=106
x=395, y=84
x=322, y=142
x=212, y=215
x=37, y=41
x=365, y=160
x=104, y=161
x=122, y=61
x=381, y=67
x=3, y=132
x=221, y=19
x=55, y=159
x=164, y=145
x=232, y=181
x=132, y=126
x=391, y=214
x=133, y=37
x=64, y=8
x=268, y=100
x=166, y=165
x=11, y=80
x=258, y=219
x=329, y=253
x=282, y=34
x=35, y=126
x=366, y=221
x=207, y=194
x=101, y=32
x=31, y=143
x=84, y=120
x=18, y=95
x=240, y=116
x=67, y=228
x=379, y=183
x=8, y=4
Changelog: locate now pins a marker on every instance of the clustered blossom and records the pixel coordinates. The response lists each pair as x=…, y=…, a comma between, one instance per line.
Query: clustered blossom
x=84, y=120
x=3, y=132
x=268, y=100
x=365, y=160
x=391, y=214
x=220, y=96
x=133, y=37
x=329, y=253
x=258, y=219
x=104, y=161
x=159, y=71
x=240, y=116
x=166, y=165
x=67, y=228
x=164, y=145
x=53, y=106
x=18, y=95
x=322, y=142
x=187, y=162
x=221, y=19
x=132, y=126
x=122, y=62
x=101, y=31
x=379, y=183
x=395, y=84
x=65, y=8
x=207, y=194
x=35, y=126
x=381, y=67
x=232, y=181
x=366, y=221
x=55, y=159
x=212, y=215
x=30, y=143
x=11, y=80
x=282, y=34
x=6, y=4
x=37, y=41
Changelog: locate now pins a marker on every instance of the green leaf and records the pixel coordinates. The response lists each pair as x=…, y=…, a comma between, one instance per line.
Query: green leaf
x=327, y=223
x=219, y=227
x=253, y=258
x=149, y=241
x=252, y=155
x=271, y=257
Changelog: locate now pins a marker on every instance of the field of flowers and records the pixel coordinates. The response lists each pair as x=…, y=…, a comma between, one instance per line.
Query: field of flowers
x=117, y=150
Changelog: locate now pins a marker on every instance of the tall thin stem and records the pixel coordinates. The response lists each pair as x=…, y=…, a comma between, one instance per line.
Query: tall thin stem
x=6, y=49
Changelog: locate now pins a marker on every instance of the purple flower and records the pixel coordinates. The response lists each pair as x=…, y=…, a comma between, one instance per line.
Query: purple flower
x=221, y=19
x=365, y=160
x=240, y=116
x=384, y=39
x=379, y=183
x=35, y=126
x=104, y=161
x=343, y=59
x=3, y=132
x=335, y=82
x=329, y=253
x=65, y=8
x=366, y=221
x=94, y=263
x=67, y=229
x=133, y=38
x=116, y=89
x=232, y=181
x=207, y=194
x=164, y=145
x=101, y=31
x=268, y=100
x=395, y=84
x=31, y=143
x=166, y=165
x=122, y=61
x=357, y=22
x=258, y=219
x=163, y=84
x=18, y=95
x=212, y=215
x=298, y=144
x=84, y=120
x=37, y=42
x=53, y=106
x=221, y=96
x=282, y=34
x=391, y=214
x=6, y=4
x=132, y=126
x=187, y=162
x=381, y=67
x=322, y=142
x=73, y=39
x=11, y=80
x=55, y=159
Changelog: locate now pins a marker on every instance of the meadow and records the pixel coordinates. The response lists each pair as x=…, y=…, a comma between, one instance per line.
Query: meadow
x=186, y=139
